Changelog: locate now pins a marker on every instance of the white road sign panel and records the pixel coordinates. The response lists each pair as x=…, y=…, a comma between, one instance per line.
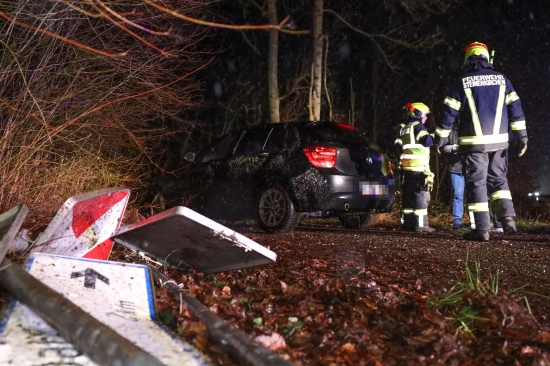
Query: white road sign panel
x=119, y=295
x=187, y=239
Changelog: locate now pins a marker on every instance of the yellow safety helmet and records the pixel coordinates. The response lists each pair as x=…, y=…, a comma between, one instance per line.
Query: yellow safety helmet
x=417, y=110
x=476, y=48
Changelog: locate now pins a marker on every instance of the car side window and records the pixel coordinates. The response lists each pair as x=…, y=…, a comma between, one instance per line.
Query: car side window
x=220, y=148
x=252, y=142
x=280, y=138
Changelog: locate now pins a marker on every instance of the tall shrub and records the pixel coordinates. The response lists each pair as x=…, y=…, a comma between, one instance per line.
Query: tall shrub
x=86, y=89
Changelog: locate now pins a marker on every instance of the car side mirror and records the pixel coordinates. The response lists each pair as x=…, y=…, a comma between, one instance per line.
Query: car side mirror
x=190, y=157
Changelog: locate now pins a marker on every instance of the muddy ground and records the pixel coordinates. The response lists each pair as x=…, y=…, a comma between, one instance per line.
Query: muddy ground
x=381, y=297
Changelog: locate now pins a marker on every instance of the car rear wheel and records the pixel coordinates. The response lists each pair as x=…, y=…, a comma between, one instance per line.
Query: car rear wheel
x=353, y=221
x=276, y=212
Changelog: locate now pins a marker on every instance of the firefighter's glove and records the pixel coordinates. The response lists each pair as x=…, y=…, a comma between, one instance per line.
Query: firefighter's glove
x=428, y=181
x=450, y=149
x=518, y=146
x=523, y=148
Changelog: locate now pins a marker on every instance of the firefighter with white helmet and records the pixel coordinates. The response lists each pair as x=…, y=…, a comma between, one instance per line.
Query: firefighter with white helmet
x=414, y=142
x=489, y=109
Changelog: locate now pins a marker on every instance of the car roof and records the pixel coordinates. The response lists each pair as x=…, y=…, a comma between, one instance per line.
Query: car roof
x=286, y=124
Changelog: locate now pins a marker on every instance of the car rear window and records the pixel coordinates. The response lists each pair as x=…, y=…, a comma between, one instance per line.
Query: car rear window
x=331, y=132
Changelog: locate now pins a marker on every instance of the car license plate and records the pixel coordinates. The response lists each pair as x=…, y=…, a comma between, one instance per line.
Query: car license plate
x=373, y=189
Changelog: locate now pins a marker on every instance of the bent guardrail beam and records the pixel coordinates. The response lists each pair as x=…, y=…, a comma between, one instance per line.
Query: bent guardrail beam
x=239, y=347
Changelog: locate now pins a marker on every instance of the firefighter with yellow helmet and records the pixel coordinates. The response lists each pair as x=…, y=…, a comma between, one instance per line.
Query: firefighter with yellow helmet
x=489, y=110
x=414, y=142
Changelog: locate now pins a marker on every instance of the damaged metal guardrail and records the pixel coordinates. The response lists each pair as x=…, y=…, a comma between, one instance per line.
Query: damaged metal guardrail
x=238, y=346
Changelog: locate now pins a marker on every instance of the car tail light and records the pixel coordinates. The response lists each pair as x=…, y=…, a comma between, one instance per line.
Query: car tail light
x=321, y=156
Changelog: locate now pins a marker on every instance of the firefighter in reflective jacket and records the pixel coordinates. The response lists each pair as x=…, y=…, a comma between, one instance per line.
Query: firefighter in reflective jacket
x=414, y=143
x=489, y=109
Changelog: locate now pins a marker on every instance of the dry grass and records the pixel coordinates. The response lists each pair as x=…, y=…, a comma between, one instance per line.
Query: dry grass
x=85, y=101
x=386, y=219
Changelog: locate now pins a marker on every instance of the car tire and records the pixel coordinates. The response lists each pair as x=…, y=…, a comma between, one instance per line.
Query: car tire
x=353, y=221
x=276, y=211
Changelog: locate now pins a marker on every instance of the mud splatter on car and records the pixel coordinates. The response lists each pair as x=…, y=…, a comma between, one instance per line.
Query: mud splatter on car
x=277, y=173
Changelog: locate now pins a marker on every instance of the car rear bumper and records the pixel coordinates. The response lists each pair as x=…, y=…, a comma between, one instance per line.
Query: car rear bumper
x=351, y=193
x=353, y=203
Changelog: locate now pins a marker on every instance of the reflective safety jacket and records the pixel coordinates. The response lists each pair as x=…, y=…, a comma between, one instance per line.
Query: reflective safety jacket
x=415, y=142
x=489, y=110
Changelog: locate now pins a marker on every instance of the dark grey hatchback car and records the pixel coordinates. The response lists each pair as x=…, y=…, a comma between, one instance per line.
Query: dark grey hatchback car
x=277, y=173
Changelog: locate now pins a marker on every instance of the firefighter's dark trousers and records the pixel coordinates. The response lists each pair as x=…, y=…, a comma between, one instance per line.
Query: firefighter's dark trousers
x=415, y=200
x=485, y=174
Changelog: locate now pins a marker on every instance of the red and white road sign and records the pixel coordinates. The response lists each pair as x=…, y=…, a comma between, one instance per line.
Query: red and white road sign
x=84, y=225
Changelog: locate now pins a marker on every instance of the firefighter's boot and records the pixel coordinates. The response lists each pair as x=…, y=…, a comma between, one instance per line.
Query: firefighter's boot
x=477, y=235
x=509, y=225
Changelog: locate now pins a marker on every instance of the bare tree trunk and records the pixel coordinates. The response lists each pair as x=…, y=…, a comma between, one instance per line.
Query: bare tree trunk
x=272, y=78
x=374, y=101
x=327, y=91
x=315, y=97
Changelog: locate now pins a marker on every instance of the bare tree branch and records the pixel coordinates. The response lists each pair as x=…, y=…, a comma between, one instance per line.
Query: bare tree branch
x=279, y=27
x=54, y=35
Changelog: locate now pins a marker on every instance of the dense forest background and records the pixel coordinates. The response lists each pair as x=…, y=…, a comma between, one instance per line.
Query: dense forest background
x=98, y=94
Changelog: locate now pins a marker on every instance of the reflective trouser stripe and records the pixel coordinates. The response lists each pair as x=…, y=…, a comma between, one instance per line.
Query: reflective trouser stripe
x=486, y=178
x=421, y=214
x=478, y=207
x=472, y=220
x=414, y=202
x=501, y=195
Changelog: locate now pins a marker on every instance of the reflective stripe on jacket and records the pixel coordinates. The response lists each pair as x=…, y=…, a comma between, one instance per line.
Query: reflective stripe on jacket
x=415, y=156
x=489, y=109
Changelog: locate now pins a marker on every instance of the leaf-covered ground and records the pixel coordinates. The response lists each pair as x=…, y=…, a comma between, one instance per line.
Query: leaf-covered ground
x=380, y=297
